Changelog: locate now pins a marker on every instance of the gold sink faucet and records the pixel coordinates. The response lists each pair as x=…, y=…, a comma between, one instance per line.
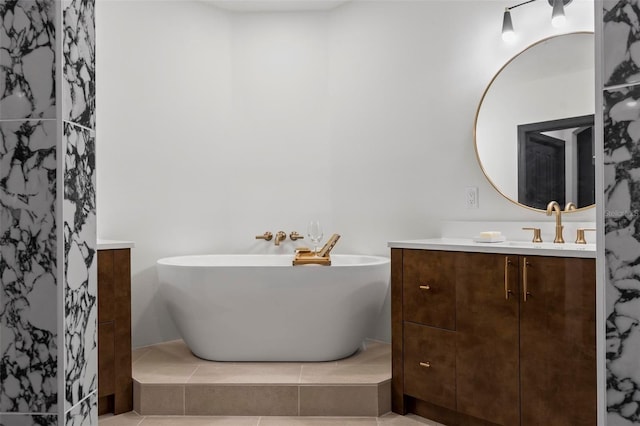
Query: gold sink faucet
x=552, y=207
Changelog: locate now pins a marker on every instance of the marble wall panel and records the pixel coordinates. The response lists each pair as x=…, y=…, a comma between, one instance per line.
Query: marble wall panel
x=78, y=82
x=28, y=259
x=622, y=251
x=27, y=59
x=80, y=263
x=621, y=118
x=85, y=413
x=28, y=420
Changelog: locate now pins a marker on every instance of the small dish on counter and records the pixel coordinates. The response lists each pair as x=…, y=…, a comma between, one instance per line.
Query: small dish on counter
x=497, y=239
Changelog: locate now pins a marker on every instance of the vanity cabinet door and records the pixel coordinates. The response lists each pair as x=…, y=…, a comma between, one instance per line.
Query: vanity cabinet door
x=429, y=296
x=487, y=337
x=557, y=341
x=115, y=385
x=430, y=364
x=106, y=360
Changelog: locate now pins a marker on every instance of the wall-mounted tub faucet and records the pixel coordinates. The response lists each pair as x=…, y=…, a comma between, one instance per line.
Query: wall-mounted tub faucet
x=280, y=236
x=295, y=236
x=267, y=236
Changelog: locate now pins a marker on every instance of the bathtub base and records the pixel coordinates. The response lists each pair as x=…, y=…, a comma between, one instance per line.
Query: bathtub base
x=172, y=381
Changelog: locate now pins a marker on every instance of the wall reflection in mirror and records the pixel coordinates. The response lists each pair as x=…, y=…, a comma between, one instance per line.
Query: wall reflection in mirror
x=534, y=126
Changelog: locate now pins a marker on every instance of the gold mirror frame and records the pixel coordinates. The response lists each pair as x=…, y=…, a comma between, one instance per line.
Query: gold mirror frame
x=475, y=121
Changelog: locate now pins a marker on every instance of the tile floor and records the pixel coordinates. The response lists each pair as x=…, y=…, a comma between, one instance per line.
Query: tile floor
x=390, y=419
x=170, y=380
x=167, y=372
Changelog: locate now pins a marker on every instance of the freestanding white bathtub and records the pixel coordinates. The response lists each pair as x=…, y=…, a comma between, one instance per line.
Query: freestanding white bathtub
x=261, y=308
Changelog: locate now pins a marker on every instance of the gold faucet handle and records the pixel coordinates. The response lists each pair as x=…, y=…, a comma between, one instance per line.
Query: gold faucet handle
x=267, y=236
x=536, y=234
x=295, y=236
x=580, y=235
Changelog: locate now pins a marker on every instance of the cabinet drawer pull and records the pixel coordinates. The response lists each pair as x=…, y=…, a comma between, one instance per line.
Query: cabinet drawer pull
x=507, y=292
x=425, y=287
x=425, y=364
x=525, y=283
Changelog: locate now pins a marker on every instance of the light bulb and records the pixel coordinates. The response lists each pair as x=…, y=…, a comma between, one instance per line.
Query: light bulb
x=507, y=27
x=508, y=36
x=557, y=15
x=558, y=21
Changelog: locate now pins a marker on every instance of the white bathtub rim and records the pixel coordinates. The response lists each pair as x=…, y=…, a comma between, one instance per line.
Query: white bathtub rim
x=282, y=261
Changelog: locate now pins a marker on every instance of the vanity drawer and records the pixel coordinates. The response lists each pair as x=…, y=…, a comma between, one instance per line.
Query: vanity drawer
x=430, y=364
x=429, y=291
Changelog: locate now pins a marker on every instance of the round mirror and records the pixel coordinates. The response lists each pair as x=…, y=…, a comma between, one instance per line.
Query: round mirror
x=534, y=126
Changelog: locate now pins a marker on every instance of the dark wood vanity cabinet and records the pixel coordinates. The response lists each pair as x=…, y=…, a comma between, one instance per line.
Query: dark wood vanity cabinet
x=490, y=357
x=115, y=385
x=557, y=342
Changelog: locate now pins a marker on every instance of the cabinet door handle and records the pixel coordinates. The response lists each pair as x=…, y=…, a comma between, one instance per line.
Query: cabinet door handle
x=425, y=364
x=425, y=287
x=507, y=292
x=525, y=283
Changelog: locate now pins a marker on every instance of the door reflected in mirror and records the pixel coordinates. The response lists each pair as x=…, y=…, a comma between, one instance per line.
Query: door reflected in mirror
x=534, y=126
x=556, y=162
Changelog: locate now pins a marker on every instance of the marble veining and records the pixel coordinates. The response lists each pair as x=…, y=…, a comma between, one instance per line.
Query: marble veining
x=28, y=420
x=28, y=256
x=80, y=264
x=28, y=229
x=621, y=118
x=78, y=49
x=83, y=414
x=27, y=59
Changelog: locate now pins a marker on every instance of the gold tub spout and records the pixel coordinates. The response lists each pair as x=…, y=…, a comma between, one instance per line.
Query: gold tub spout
x=552, y=207
x=280, y=236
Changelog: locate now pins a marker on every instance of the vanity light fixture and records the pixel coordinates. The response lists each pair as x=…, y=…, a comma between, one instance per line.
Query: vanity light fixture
x=558, y=18
x=507, y=27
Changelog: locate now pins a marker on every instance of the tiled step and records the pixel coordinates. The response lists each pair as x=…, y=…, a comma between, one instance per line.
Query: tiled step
x=169, y=380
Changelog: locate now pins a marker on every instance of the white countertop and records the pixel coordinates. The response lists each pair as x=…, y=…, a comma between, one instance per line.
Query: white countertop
x=114, y=244
x=508, y=247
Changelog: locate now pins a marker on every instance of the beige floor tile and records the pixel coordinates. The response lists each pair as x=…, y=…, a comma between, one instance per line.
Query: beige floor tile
x=127, y=419
x=136, y=354
x=175, y=351
x=159, y=399
x=374, y=353
x=384, y=397
x=339, y=400
x=266, y=373
x=241, y=400
x=199, y=421
x=318, y=421
x=343, y=373
x=163, y=373
x=393, y=419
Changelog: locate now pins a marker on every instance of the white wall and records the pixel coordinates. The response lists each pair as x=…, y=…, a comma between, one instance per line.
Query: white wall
x=216, y=126
x=163, y=174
